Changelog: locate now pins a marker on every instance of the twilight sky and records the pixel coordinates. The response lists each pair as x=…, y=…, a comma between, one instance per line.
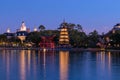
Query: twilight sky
x=101, y=15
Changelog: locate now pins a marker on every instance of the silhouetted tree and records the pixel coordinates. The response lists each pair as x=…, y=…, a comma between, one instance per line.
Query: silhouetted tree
x=41, y=27
x=79, y=28
x=93, y=38
x=3, y=38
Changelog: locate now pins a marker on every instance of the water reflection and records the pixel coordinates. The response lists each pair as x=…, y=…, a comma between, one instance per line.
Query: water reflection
x=29, y=60
x=104, y=64
x=62, y=65
x=8, y=66
x=109, y=61
x=64, y=61
x=22, y=65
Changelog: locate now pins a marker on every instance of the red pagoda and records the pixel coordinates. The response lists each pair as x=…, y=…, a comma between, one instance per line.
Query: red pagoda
x=47, y=42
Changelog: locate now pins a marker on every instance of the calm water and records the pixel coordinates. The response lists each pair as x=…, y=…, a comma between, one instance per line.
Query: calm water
x=59, y=65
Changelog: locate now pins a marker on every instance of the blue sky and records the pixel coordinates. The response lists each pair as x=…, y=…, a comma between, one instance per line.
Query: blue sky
x=101, y=15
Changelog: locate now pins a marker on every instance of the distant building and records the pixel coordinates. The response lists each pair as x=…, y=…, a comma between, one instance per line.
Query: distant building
x=22, y=32
x=112, y=31
x=115, y=28
x=9, y=34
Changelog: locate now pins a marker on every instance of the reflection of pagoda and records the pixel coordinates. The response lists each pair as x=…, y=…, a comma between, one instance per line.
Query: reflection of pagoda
x=64, y=37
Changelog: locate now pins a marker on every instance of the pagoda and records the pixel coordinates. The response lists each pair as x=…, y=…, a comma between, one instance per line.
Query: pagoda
x=64, y=36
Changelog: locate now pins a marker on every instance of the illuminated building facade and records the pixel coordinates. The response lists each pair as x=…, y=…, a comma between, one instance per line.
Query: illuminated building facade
x=64, y=36
x=9, y=34
x=109, y=41
x=23, y=32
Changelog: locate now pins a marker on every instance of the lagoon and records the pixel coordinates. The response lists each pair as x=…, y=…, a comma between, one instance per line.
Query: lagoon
x=59, y=65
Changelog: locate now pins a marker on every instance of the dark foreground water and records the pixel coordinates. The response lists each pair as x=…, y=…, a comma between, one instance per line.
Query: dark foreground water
x=59, y=65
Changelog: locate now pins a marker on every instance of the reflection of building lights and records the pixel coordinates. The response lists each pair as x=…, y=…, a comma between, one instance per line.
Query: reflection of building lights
x=118, y=45
x=115, y=45
x=44, y=63
x=22, y=65
x=8, y=65
x=109, y=60
x=44, y=50
x=102, y=55
x=34, y=63
x=29, y=59
x=64, y=59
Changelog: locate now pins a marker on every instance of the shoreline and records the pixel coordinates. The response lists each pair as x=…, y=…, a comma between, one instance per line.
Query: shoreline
x=57, y=49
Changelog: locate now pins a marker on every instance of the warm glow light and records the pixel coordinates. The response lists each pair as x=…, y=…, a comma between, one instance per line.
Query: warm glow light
x=64, y=33
x=64, y=29
x=8, y=65
x=109, y=60
x=64, y=61
x=29, y=59
x=44, y=50
x=63, y=36
x=22, y=65
x=64, y=40
x=22, y=38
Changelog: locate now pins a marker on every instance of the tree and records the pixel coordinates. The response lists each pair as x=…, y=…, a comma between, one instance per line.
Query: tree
x=70, y=26
x=34, y=37
x=115, y=39
x=3, y=38
x=79, y=27
x=77, y=39
x=93, y=38
x=41, y=27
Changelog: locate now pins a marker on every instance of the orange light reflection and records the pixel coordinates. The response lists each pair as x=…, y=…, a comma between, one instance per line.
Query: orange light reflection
x=64, y=61
x=22, y=65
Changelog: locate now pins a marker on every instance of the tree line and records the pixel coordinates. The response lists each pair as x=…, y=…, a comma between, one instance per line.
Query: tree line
x=77, y=36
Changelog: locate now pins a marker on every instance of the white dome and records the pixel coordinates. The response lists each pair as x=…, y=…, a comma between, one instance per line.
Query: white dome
x=35, y=29
x=23, y=27
x=8, y=30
